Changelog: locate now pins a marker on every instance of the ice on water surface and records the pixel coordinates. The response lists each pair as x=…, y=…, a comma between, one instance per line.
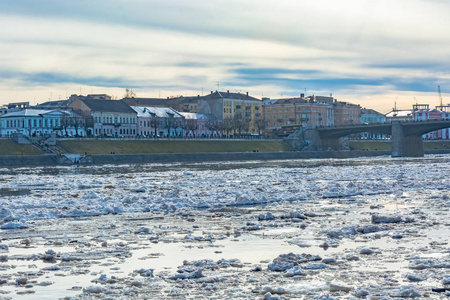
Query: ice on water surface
x=213, y=229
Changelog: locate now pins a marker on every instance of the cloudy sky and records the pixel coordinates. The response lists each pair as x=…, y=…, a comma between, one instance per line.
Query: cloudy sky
x=371, y=52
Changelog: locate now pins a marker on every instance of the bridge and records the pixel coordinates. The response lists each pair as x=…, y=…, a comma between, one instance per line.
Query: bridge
x=406, y=137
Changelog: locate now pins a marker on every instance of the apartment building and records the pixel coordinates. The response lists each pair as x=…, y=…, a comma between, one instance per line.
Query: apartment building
x=346, y=113
x=110, y=118
x=298, y=111
x=242, y=112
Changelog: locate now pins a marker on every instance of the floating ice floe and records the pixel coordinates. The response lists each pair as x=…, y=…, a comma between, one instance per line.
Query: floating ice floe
x=420, y=264
x=15, y=225
x=339, y=287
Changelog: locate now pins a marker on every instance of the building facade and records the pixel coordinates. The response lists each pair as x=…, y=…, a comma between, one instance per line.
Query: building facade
x=36, y=123
x=239, y=113
x=298, y=111
x=197, y=125
x=158, y=122
x=370, y=116
x=422, y=113
x=346, y=113
x=110, y=118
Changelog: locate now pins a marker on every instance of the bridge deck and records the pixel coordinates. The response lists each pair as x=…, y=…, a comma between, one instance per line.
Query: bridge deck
x=409, y=128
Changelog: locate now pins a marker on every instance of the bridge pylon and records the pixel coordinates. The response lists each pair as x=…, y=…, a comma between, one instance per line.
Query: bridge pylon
x=309, y=139
x=404, y=145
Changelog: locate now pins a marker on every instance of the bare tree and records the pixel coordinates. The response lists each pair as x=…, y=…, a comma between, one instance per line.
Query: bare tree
x=178, y=124
x=129, y=93
x=154, y=122
x=88, y=123
x=213, y=125
x=240, y=124
x=171, y=122
x=77, y=122
x=190, y=125
x=227, y=126
x=260, y=124
x=66, y=122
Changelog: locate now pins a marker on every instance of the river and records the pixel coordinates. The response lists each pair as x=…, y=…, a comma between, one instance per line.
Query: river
x=375, y=227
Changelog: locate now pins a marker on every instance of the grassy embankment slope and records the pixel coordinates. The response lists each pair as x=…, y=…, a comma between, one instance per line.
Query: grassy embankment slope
x=9, y=147
x=169, y=146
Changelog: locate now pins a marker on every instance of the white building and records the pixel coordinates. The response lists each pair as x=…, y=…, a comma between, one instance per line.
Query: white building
x=37, y=122
x=158, y=121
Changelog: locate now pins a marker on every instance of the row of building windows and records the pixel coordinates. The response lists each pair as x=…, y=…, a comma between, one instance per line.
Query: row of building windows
x=31, y=123
x=110, y=131
x=111, y=120
x=230, y=110
x=275, y=110
x=303, y=116
x=238, y=104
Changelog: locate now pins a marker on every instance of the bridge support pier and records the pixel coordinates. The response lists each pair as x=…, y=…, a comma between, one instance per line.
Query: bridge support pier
x=331, y=143
x=309, y=139
x=405, y=145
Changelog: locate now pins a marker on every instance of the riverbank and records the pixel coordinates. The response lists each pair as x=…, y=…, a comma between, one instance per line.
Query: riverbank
x=102, y=152
x=10, y=147
x=117, y=159
x=103, y=159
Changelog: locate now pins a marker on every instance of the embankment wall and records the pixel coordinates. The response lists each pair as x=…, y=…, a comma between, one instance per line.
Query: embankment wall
x=57, y=160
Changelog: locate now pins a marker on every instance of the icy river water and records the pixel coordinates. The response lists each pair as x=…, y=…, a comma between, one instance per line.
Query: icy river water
x=366, y=228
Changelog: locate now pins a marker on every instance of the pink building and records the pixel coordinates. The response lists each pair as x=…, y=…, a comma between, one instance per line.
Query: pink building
x=421, y=112
x=199, y=125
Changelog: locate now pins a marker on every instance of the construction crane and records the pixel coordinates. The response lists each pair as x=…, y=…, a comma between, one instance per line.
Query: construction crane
x=440, y=96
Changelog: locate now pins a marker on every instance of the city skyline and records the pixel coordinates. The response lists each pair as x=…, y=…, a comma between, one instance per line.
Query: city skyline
x=370, y=53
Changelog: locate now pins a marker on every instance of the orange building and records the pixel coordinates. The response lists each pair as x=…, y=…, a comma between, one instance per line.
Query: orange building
x=298, y=111
x=346, y=113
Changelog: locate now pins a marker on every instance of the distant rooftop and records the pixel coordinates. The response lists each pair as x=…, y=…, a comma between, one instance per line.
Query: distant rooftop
x=399, y=113
x=228, y=95
x=108, y=105
x=160, y=112
x=369, y=111
x=53, y=104
x=197, y=116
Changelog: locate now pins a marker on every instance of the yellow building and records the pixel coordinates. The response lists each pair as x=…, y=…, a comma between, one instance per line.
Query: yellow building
x=241, y=112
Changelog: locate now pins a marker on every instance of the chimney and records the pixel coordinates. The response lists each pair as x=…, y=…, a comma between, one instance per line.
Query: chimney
x=228, y=93
x=247, y=94
x=302, y=95
x=211, y=92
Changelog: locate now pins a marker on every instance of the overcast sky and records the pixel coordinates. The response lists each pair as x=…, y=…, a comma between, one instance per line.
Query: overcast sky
x=371, y=52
